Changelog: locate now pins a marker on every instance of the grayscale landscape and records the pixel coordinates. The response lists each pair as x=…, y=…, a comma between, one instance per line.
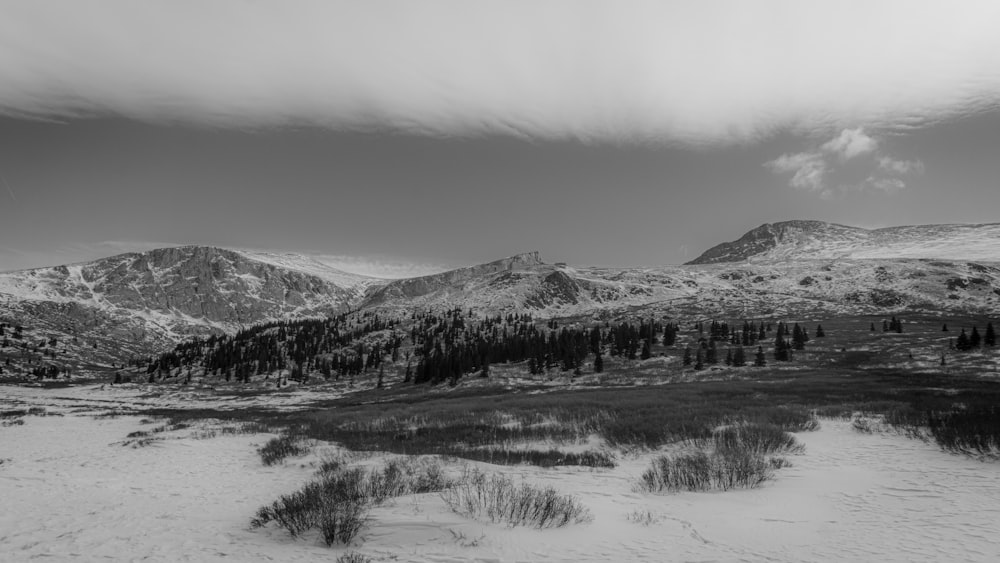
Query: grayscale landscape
x=497, y=282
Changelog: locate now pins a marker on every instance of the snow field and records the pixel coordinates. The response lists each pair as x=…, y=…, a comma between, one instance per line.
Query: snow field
x=73, y=490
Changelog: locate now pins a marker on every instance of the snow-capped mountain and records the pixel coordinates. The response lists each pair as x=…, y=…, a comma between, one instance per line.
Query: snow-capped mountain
x=136, y=303
x=151, y=298
x=816, y=240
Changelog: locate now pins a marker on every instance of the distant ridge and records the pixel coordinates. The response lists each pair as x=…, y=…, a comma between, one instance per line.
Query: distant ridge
x=424, y=285
x=805, y=240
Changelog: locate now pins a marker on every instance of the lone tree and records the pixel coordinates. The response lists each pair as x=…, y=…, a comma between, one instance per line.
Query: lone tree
x=819, y=331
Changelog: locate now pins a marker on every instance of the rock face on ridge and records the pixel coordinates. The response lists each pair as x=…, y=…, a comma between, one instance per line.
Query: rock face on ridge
x=163, y=295
x=424, y=285
x=812, y=240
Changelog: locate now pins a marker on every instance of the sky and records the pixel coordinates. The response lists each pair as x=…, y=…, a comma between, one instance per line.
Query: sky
x=398, y=138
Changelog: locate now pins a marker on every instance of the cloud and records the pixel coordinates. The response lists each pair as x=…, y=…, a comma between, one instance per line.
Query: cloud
x=888, y=185
x=810, y=168
x=890, y=164
x=718, y=71
x=850, y=143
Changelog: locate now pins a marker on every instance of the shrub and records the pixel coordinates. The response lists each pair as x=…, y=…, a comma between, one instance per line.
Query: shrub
x=759, y=439
x=335, y=504
x=700, y=471
x=541, y=458
x=499, y=499
x=972, y=431
x=338, y=502
x=277, y=449
x=743, y=457
x=353, y=557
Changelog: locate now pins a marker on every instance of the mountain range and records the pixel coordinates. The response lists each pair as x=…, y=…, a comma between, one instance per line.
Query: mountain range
x=106, y=311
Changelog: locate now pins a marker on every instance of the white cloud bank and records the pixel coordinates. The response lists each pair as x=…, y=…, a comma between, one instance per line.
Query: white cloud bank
x=599, y=71
x=810, y=169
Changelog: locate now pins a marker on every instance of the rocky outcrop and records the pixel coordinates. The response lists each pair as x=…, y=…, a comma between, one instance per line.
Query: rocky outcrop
x=425, y=285
x=816, y=240
x=766, y=237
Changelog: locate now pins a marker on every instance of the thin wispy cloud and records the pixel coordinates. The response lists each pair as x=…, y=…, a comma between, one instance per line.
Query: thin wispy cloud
x=890, y=164
x=597, y=71
x=811, y=169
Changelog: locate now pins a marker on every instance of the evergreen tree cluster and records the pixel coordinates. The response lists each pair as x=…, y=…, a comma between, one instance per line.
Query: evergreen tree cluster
x=974, y=340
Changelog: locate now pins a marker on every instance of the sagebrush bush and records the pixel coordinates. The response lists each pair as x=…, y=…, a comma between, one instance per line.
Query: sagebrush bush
x=499, y=499
x=743, y=456
x=760, y=439
x=277, y=449
x=353, y=557
x=701, y=471
x=338, y=502
x=971, y=431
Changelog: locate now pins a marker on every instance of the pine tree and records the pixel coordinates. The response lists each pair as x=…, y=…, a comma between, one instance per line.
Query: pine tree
x=975, y=339
x=819, y=331
x=711, y=354
x=687, y=355
x=991, y=337
x=729, y=356
x=699, y=360
x=598, y=363
x=381, y=375
x=798, y=337
x=962, y=344
x=739, y=357
x=873, y=327
x=646, y=352
x=944, y=327
x=759, y=360
x=781, y=347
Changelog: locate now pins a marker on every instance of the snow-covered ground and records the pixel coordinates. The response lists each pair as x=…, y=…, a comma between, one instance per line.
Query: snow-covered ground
x=70, y=489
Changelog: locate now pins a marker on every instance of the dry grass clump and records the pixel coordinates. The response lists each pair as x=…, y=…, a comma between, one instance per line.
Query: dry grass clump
x=498, y=499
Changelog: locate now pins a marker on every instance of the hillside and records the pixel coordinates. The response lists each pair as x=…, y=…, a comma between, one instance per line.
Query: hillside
x=124, y=305
x=816, y=240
